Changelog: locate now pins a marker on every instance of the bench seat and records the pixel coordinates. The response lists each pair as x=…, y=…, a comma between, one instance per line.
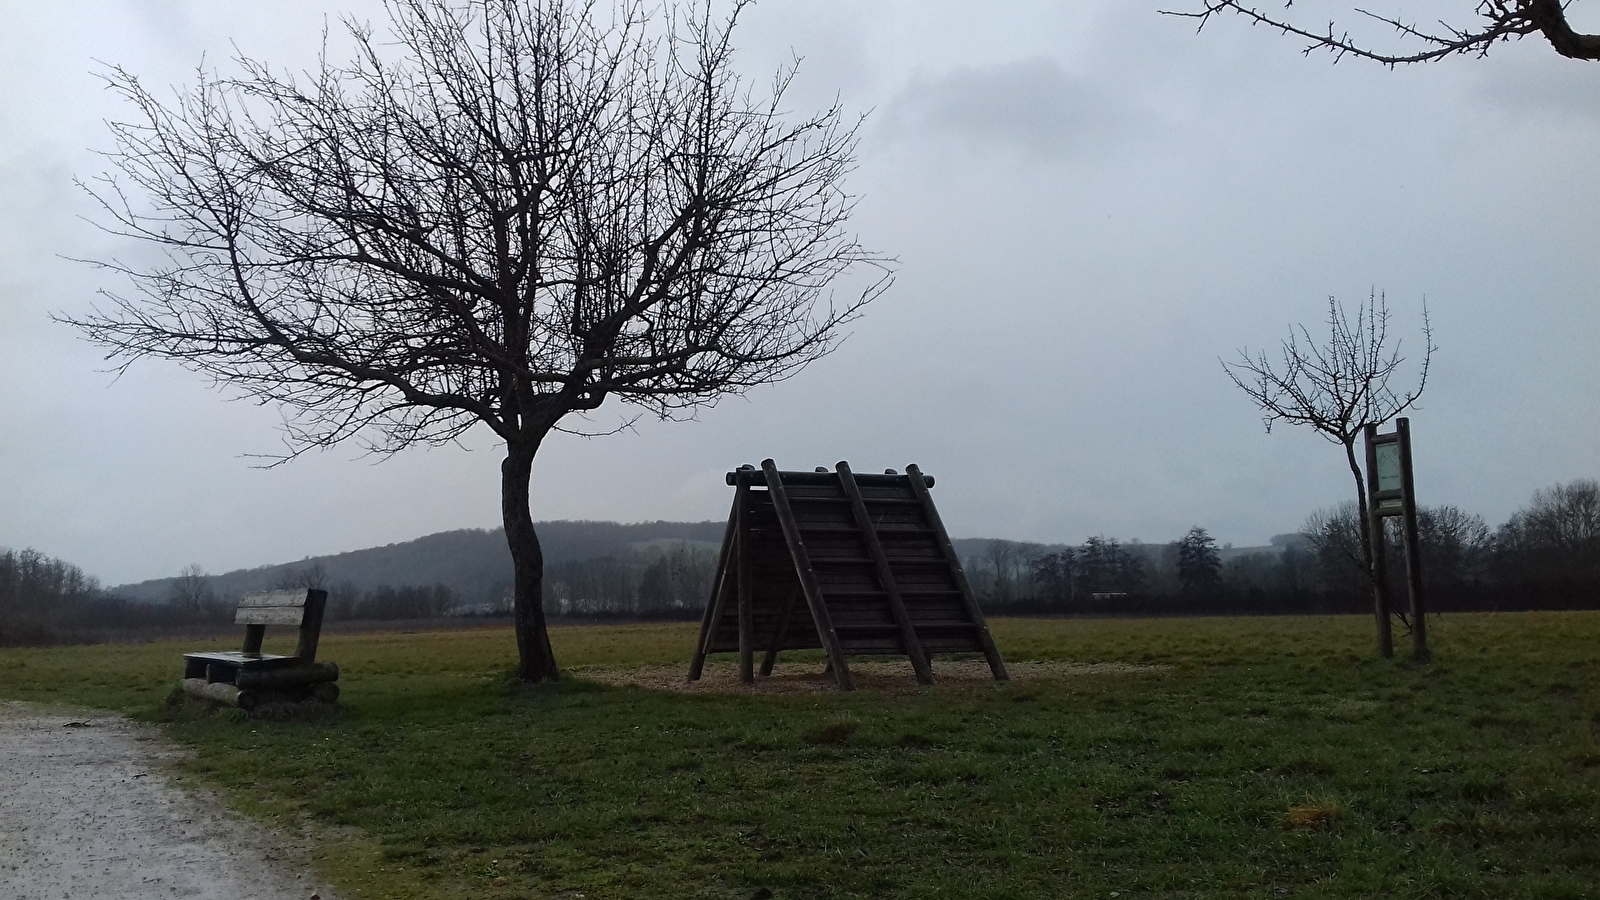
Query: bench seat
x=245, y=677
x=223, y=665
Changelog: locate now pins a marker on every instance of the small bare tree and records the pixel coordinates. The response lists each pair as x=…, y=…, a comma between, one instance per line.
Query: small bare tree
x=1338, y=387
x=312, y=576
x=1496, y=21
x=191, y=590
x=506, y=214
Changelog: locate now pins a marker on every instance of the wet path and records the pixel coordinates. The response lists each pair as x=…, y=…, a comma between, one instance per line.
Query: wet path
x=87, y=814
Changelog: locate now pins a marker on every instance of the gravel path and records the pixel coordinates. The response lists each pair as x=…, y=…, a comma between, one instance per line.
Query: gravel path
x=86, y=813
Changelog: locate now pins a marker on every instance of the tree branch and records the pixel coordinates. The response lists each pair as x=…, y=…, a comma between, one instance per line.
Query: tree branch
x=1498, y=21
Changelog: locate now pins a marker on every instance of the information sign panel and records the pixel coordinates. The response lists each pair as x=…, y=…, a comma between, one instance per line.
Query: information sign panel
x=1388, y=467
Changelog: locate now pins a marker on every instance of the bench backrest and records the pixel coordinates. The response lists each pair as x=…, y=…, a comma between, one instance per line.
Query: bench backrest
x=298, y=607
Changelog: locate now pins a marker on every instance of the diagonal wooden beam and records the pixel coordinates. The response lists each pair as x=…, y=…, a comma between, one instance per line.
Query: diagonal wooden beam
x=808, y=577
x=713, y=614
x=897, y=604
x=948, y=551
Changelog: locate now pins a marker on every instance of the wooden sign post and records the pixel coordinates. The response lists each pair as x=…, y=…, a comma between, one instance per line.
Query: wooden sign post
x=1391, y=492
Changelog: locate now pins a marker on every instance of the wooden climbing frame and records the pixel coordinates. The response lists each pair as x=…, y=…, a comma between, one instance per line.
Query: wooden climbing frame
x=866, y=554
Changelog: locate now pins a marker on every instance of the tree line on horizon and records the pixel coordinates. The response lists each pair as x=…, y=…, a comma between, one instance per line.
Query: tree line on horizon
x=50, y=601
x=1547, y=555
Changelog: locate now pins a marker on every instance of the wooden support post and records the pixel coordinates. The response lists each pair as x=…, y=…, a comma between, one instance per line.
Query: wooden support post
x=311, y=625
x=808, y=577
x=897, y=604
x=1379, y=573
x=714, y=604
x=747, y=620
x=781, y=634
x=1408, y=500
x=253, y=635
x=948, y=550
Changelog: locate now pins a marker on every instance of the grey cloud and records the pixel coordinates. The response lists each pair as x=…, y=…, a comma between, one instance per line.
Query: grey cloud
x=170, y=22
x=1090, y=202
x=1521, y=84
x=1032, y=107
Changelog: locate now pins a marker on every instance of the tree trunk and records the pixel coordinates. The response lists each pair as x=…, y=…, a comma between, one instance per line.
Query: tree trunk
x=1361, y=506
x=535, y=661
x=1371, y=532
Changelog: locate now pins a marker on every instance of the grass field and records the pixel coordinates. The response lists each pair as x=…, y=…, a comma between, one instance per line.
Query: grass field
x=1227, y=757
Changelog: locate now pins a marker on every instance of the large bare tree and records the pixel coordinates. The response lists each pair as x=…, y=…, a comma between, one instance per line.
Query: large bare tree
x=1338, y=386
x=505, y=213
x=1490, y=22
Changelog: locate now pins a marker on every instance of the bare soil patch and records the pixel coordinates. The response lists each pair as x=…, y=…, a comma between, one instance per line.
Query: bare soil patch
x=881, y=676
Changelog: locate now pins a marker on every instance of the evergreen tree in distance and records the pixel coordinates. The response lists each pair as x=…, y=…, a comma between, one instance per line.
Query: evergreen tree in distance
x=1199, y=565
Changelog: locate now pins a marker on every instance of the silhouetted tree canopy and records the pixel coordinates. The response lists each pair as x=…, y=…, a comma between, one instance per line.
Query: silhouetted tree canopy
x=505, y=213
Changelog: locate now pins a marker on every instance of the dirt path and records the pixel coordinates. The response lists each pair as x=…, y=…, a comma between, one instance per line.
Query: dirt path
x=86, y=813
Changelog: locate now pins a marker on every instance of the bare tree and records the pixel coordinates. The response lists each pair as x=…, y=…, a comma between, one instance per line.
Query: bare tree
x=312, y=576
x=507, y=213
x=1494, y=21
x=191, y=590
x=1338, y=387
x=1558, y=533
x=1335, y=539
x=1002, y=557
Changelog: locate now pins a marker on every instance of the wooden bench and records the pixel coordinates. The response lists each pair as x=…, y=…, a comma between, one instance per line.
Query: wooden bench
x=247, y=677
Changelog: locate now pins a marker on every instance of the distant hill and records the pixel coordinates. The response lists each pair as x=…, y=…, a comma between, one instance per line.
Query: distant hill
x=474, y=563
x=476, y=566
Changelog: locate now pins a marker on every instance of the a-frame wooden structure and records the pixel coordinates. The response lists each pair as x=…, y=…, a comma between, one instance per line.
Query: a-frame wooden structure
x=854, y=564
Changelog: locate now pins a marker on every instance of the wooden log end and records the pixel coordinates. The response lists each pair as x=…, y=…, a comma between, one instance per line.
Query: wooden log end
x=221, y=692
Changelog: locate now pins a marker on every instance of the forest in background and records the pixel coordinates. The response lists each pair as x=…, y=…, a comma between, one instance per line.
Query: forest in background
x=1546, y=556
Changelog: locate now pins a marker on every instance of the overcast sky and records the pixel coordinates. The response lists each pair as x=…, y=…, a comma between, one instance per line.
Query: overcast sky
x=1090, y=204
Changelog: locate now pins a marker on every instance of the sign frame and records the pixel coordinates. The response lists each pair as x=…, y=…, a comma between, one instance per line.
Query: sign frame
x=1391, y=491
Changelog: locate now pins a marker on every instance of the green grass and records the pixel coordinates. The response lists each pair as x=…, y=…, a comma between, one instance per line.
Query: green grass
x=1253, y=758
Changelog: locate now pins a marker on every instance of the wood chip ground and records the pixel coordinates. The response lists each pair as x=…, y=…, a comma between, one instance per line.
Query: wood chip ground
x=888, y=676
